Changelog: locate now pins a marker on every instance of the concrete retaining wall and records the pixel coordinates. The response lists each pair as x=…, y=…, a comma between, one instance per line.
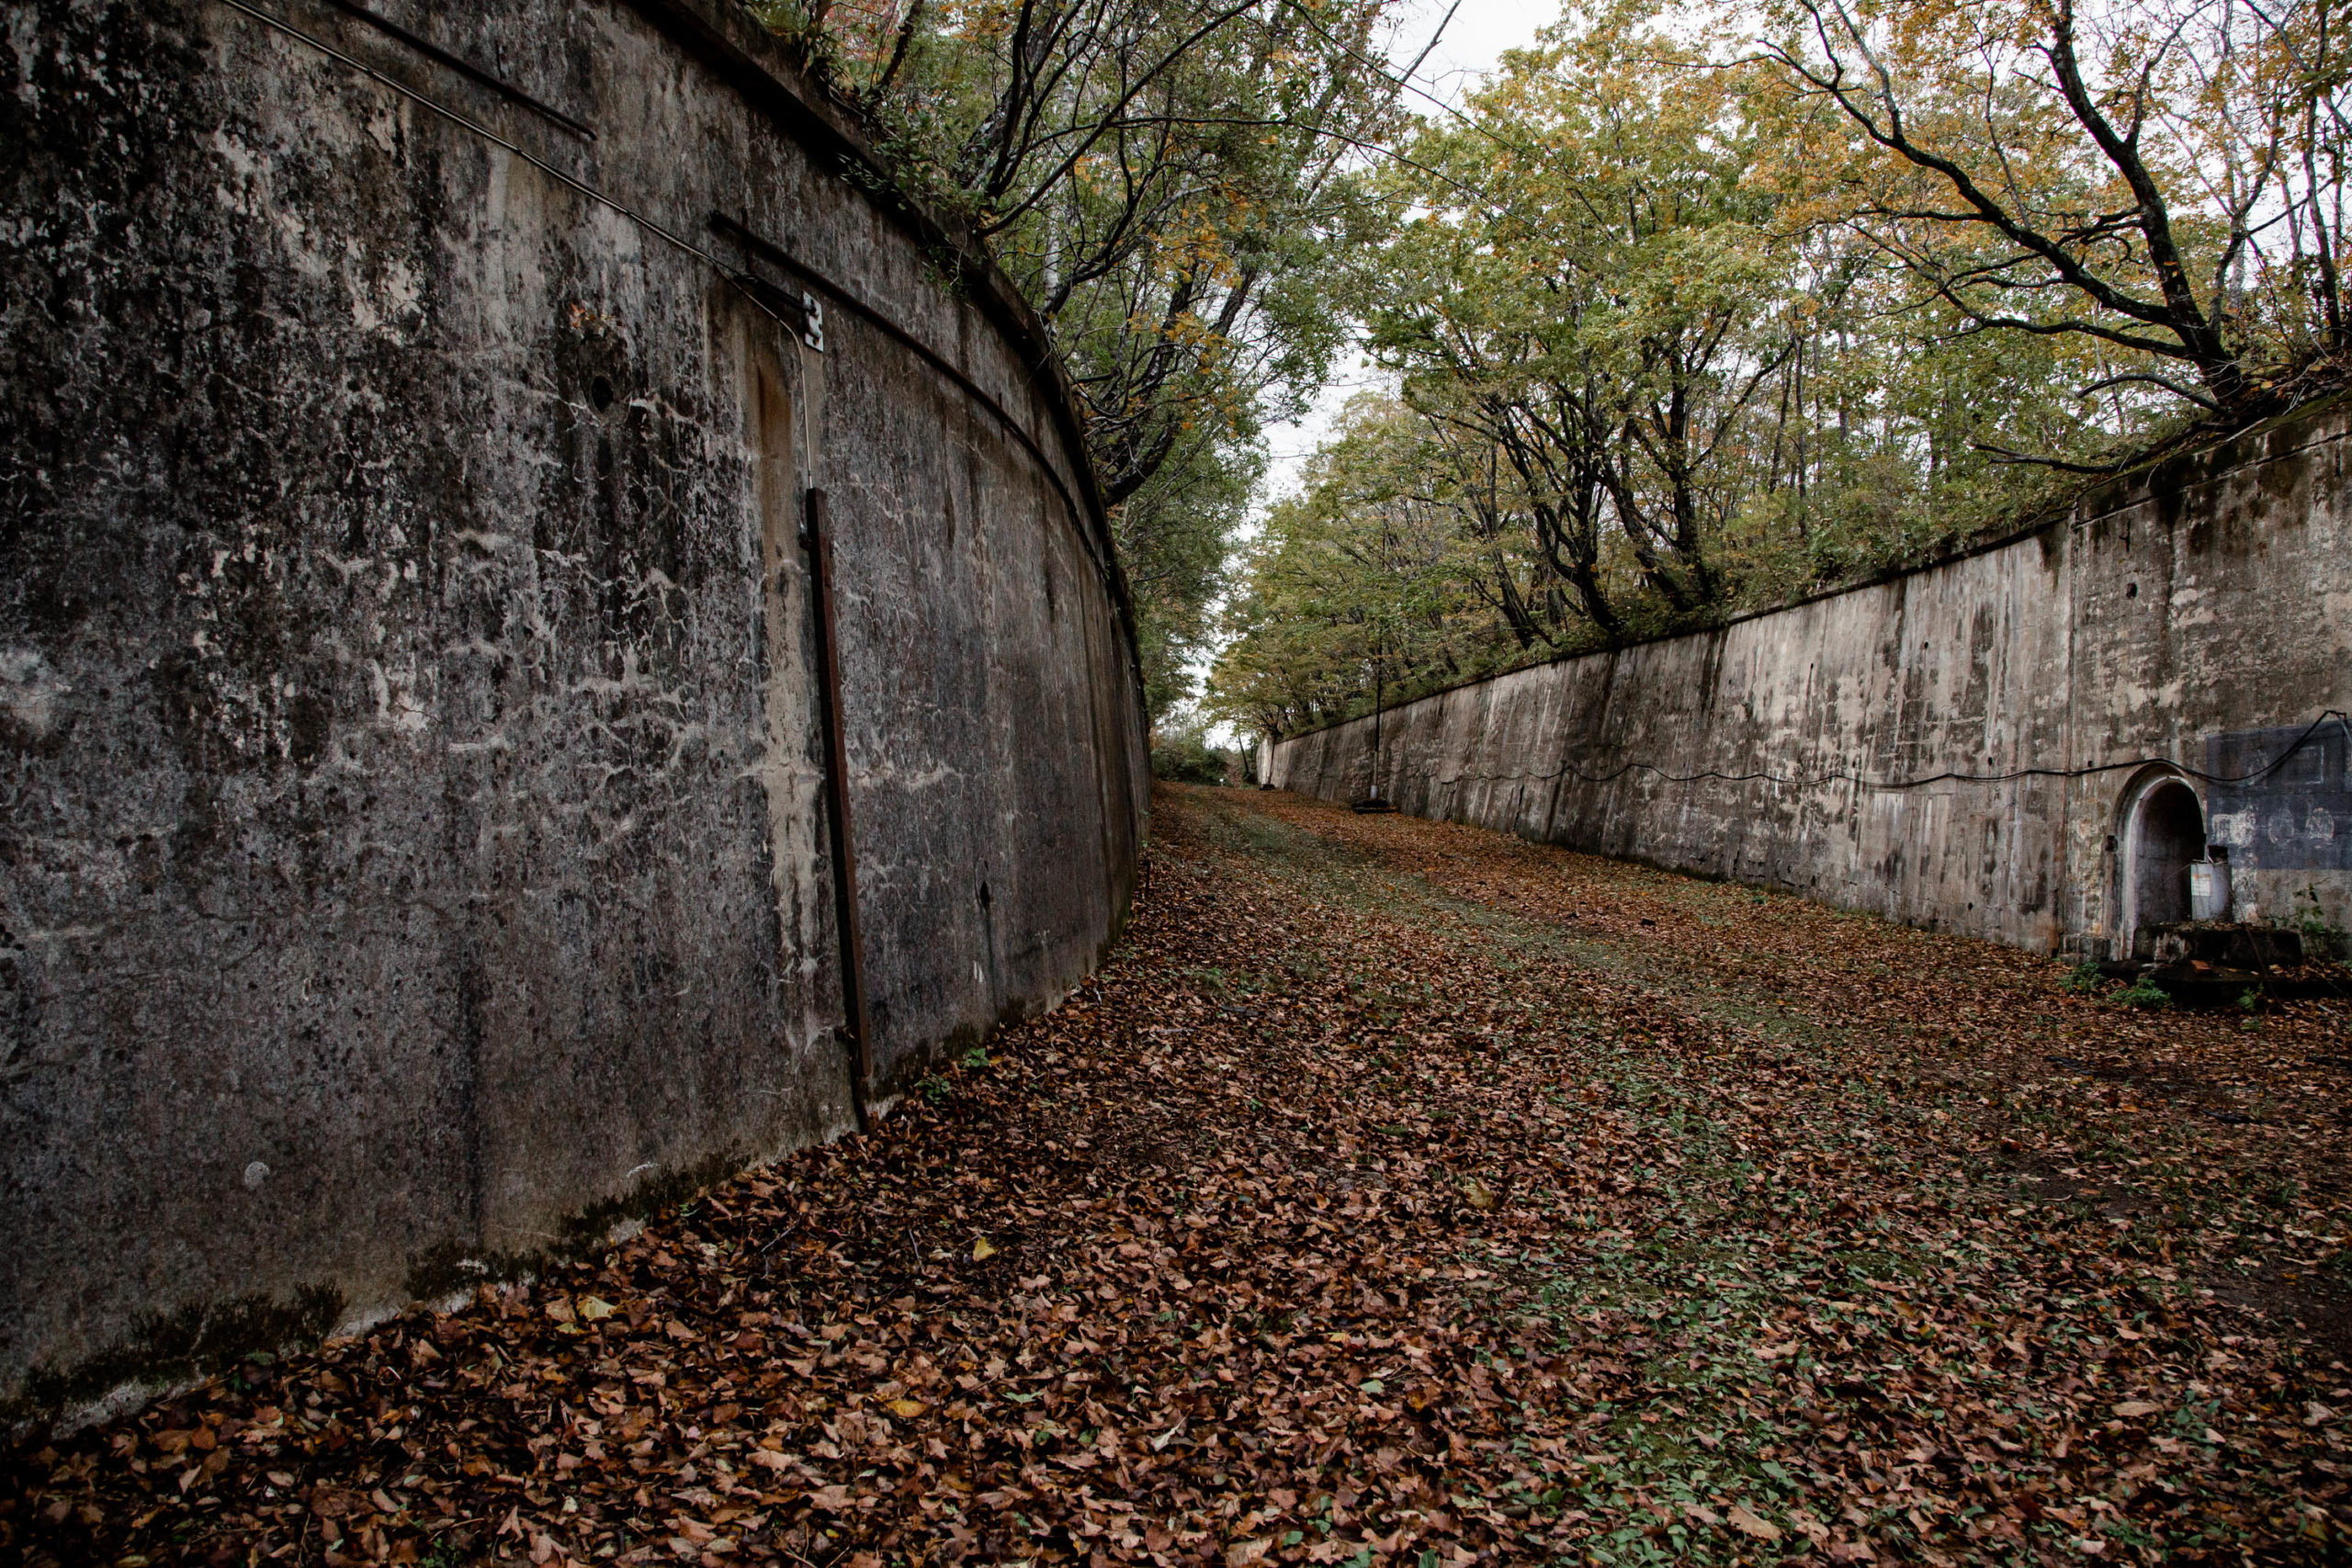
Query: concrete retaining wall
x=413, y=856
x=2197, y=613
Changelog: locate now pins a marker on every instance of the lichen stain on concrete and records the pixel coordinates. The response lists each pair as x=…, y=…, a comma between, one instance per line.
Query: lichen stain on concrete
x=408, y=781
x=31, y=717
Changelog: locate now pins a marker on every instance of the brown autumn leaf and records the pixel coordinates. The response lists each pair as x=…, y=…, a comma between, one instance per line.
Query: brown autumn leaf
x=1788, y=1187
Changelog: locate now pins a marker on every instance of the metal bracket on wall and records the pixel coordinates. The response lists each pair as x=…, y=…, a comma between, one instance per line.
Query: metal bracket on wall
x=817, y=536
x=804, y=309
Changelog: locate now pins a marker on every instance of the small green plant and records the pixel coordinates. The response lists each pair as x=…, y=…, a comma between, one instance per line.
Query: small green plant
x=933, y=1089
x=2250, y=999
x=448, y=1552
x=2323, y=938
x=976, y=1057
x=2143, y=993
x=2084, y=979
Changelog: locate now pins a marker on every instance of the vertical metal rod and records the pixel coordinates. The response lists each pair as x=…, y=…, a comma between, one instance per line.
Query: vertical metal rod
x=817, y=537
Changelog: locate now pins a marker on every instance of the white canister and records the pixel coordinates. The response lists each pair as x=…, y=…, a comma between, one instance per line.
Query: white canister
x=2209, y=890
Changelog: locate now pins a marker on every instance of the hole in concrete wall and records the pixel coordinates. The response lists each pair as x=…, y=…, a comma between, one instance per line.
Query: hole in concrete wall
x=2167, y=832
x=600, y=392
x=2130, y=591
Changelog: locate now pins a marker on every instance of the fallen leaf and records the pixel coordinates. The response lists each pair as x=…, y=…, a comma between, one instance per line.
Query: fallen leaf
x=1240, y=1160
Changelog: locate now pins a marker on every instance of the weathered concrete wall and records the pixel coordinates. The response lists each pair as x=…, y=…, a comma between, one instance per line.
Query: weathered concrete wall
x=411, y=845
x=2200, y=612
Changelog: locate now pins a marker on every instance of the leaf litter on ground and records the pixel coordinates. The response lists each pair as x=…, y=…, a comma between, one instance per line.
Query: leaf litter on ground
x=1398, y=1192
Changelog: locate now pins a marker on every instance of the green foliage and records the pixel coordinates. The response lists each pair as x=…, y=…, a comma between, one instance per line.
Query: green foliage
x=2050, y=171
x=2143, y=993
x=1166, y=186
x=1173, y=537
x=2085, y=979
x=1370, y=581
x=2322, y=937
x=1182, y=754
x=1684, y=317
x=1677, y=334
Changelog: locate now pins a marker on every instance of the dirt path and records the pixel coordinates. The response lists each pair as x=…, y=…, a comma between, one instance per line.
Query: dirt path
x=1399, y=1194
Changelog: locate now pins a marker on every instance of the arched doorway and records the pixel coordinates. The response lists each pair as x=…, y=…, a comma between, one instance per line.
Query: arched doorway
x=2164, y=832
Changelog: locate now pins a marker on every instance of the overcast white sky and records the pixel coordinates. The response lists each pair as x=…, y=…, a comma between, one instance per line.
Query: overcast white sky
x=1470, y=48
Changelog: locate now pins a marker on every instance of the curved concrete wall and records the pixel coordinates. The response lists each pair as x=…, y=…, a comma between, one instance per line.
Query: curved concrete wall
x=412, y=854
x=2200, y=613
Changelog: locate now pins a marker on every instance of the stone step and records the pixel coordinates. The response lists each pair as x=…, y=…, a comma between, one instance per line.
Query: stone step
x=2194, y=983
x=2217, y=942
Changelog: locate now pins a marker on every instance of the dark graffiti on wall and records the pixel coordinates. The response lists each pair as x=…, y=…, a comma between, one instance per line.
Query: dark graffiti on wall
x=2296, y=815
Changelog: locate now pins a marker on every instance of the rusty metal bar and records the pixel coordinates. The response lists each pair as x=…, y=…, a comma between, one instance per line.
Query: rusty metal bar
x=817, y=535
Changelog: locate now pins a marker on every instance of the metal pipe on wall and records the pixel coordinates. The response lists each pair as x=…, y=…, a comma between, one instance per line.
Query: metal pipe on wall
x=817, y=536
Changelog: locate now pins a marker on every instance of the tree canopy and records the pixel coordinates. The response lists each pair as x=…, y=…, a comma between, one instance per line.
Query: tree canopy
x=1695, y=306
x=1698, y=307
x=1168, y=187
